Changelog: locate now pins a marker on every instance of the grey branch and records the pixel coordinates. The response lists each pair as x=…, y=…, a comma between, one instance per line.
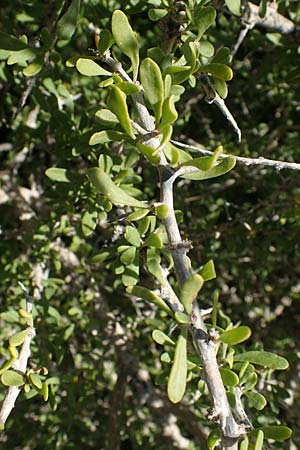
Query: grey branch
x=260, y=161
x=213, y=97
x=19, y=365
x=272, y=20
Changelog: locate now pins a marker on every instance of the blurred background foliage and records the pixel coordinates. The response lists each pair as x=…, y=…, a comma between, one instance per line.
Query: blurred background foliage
x=94, y=340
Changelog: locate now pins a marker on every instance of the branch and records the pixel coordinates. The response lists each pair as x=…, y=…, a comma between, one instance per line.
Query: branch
x=213, y=97
x=222, y=414
x=260, y=161
x=272, y=19
x=19, y=365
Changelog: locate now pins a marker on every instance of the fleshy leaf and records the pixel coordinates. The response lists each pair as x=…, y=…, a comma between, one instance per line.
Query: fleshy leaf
x=104, y=184
x=149, y=296
x=220, y=169
x=205, y=163
x=259, y=440
x=126, y=39
x=236, y=335
x=221, y=87
x=157, y=14
x=116, y=102
x=66, y=26
x=204, y=18
x=234, y=6
x=18, y=338
x=265, y=359
x=89, y=68
x=132, y=236
x=208, y=271
x=9, y=42
x=177, y=378
x=12, y=378
x=169, y=113
x=57, y=174
x=152, y=82
x=34, y=68
x=102, y=137
x=161, y=338
x=105, y=41
x=218, y=70
x=277, y=432
x=88, y=223
x=256, y=400
x=229, y=377
x=189, y=291
x=36, y=380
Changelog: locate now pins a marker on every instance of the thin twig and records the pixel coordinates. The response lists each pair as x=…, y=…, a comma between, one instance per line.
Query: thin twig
x=260, y=161
x=19, y=365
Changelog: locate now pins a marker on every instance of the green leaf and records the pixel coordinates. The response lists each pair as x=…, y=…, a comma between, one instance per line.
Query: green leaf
x=244, y=443
x=18, y=338
x=222, y=56
x=149, y=296
x=137, y=215
x=205, y=163
x=153, y=240
x=236, y=335
x=181, y=317
x=89, y=223
x=132, y=236
x=126, y=39
x=221, y=87
x=128, y=256
x=277, y=432
x=36, y=380
x=213, y=439
x=218, y=70
x=57, y=174
x=190, y=290
x=128, y=88
x=34, y=68
x=161, y=338
x=130, y=276
x=105, y=41
x=204, y=17
x=9, y=42
x=104, y=184
x=214, y=313
x=259, y=440
x=21, y=56
x=162, y=211
x=220, y=169
x=208, y=271
x=45, y=391
x=12, y=378
x=116, y=102
x=229, y=377
x=262, y=358
x=153, y=85
x=256, y=400
x=89, y=68
x=206, y=49
x=169, y=113
x=152, y=154
x=106, y=117
x=66, y=26
x=177, y=378
x=157, y=14
x=234, y=6
x=155, y=269
x=102, y=137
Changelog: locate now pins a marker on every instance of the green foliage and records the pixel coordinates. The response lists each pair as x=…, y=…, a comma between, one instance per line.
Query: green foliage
x=93, y=250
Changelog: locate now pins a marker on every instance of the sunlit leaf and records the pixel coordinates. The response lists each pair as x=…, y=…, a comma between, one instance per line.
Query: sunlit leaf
x=256, y=400
x=104, y=184
x=36, y=380
x=229, y=377
x=204, y=17
x=116, y=102
x=236, y=335
x=177, y=378
x=208, y=271
x=169, y=113
x=90, y=68
x=277, y=432
x=265, y=359
x=18, y=338
x=259, y=441
x=12, y=378
x=126, y=39
x=57, y=174
x=66, y=26
x=220, y=169
x=152, y=82
x=190, y=290
x=149, y=296
x=218, y=70
x=234, y=6
x=161, y=338
x=132, y=236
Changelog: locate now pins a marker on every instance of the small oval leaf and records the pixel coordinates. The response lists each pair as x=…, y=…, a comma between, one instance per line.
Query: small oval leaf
x=36, y=380
x=104, y=184
x=66, y=26
x=149, y=296
x=116, y=101
x=161, y=338
x=256, y=400
x=132, y=236
x=277, y=432
x=18, y=338
x=12, y=378
x=89, y=68
x=177, y=378
x=236, y=335
x=265, y=359
x=189, y=291
x=259, y=441
x=152, y=82
x=229, y=377
x=218, y=70
x=57, y=174
x=125, y=39
x=208, y=271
